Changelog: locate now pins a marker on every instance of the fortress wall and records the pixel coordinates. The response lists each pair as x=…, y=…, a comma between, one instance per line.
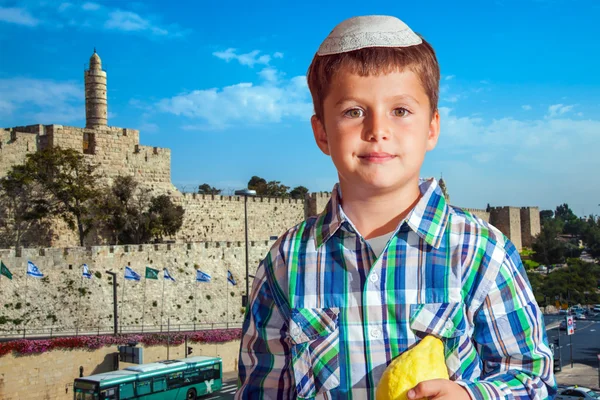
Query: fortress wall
x=218, y=217
x=508, y=220
x=530, y=225
x=63, y=299
x=14, y=147
x=480, y=213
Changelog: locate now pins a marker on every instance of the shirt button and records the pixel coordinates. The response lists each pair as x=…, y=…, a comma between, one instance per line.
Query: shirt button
x=295, y=332
x=373, y=278
x=449, y=325
x=375, y=333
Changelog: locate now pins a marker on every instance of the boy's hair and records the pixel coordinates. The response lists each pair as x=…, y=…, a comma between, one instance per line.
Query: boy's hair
x=369, y=61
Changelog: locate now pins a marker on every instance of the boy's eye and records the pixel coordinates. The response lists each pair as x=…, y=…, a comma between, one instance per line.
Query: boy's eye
x=401, y=112
x=354, y=113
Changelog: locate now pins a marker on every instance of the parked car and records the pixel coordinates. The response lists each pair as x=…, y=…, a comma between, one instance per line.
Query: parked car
x=576, y=392
x=580, y=315
x=597, y=308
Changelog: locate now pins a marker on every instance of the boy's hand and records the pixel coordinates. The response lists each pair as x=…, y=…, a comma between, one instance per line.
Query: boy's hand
x=438, y=389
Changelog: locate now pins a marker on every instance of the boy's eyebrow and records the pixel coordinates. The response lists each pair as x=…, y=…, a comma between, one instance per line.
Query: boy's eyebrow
x=392, y=98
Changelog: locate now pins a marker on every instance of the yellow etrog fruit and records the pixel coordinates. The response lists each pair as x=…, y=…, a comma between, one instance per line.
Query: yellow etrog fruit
x=423, y=362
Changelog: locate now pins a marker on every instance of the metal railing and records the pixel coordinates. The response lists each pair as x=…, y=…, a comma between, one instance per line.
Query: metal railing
x=48, y=332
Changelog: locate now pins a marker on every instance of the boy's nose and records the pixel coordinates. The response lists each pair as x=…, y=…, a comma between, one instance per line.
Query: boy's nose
x=376, y=128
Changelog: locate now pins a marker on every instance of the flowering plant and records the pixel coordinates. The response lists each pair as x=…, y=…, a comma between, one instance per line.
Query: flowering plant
x=36, y=346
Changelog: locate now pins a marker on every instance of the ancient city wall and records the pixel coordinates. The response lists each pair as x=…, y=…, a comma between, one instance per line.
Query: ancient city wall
x=482, y=214
x=14, y=147
x=530, y=225
x=50, y=376
x=215, y=217
x=508, y=220
x=62, y=299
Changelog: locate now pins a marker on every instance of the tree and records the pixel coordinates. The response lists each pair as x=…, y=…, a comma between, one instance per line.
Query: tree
x=115, y=209
x=165, y=217
x=205, y=188
x=564, y=213
x=299, y=192
x=257, y=183
x=72, y=183
x=545, y=215
x=23, y=207
x=548, y=249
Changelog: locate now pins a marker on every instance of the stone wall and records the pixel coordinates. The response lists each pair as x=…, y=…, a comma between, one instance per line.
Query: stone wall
x=62, y=299
x=221, y=218
x=508, y=220
x=50, y=376
x=530, y=225
x=14, y=147
x=482, y=214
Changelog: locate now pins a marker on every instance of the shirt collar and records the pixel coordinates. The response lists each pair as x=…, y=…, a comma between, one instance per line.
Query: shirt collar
x=427, y=219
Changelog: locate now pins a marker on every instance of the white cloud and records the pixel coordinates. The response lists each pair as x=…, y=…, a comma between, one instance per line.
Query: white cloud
x=526, y=107
x=449, y=77
x=451, y=99
x=18, y=16
x=130, y=21
x=250, y=59
x=90, y=6
x=556, y=110
x=277, y=55
x=148, y=127
x=241, y=104
x=580, y=114
x=41, y=101
x=269, y=74
x=89, y=16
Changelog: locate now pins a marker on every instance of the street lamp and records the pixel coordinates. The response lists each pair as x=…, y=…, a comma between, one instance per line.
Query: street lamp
x=115, y=311
x=246, y=193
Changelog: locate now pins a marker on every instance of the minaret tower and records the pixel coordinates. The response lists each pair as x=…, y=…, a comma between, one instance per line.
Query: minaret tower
x=96, y=106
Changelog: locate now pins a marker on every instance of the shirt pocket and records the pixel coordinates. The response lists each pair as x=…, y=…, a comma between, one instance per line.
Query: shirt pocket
x=314, y=337
x=446, y=321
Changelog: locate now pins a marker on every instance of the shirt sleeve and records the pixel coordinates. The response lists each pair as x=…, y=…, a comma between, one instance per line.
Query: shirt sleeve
x=510, y=335
x=264, y=361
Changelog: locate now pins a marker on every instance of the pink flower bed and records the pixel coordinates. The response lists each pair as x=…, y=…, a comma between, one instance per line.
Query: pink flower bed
x=27, y=346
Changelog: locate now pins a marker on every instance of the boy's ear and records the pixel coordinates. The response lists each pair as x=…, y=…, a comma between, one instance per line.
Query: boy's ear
x=434, y=131
x=320, y=135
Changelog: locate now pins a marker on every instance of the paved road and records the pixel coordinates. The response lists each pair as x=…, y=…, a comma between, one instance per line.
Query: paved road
x=585, y=343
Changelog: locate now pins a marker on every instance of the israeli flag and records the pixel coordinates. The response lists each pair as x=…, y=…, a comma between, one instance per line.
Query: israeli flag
x=131, y=275
x=230, y=278
x=202, y=277
x=33, y=270
x=86, y=272
x=168, y=276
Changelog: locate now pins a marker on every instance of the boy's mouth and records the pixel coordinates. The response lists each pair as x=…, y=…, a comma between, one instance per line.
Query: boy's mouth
x=376, y=157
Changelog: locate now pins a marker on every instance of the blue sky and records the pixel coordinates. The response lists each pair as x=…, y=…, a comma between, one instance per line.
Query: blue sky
x=223, y=85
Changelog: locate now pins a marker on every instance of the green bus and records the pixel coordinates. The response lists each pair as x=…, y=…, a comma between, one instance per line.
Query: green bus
x=186, y=378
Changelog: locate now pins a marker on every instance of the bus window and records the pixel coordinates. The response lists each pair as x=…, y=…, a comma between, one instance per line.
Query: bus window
x=126, y=391
x=108, y=394
x=192, y=376
x=175, y=380
x=143, y=387
x=159, y=385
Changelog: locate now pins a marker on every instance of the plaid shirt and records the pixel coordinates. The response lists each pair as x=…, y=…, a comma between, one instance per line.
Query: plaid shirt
x=327, y=315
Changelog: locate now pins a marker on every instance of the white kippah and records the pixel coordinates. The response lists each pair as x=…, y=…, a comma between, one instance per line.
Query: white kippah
x=368, y=31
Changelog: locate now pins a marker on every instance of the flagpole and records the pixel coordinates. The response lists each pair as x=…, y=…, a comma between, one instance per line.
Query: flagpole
x=144, y=305
x=79, y=303
x=195, y=299
x=227, y=303
x=162, y=305
x=122, y=305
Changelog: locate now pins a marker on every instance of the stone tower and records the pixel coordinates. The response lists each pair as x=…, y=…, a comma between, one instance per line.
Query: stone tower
x=96, y=106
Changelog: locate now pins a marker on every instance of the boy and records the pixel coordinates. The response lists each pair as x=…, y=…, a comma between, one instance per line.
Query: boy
x=388, y=261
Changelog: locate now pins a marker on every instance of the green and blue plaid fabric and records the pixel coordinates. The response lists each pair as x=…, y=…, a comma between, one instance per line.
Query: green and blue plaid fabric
x=327, y=315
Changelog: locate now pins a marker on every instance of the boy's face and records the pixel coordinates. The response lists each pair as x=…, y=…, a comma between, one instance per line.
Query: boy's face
x=377, y=130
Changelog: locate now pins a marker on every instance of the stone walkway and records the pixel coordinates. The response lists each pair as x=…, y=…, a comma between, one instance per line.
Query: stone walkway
x=580, y=374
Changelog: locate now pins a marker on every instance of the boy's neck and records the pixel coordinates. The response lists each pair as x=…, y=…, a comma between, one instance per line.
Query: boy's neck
x=376, y=215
